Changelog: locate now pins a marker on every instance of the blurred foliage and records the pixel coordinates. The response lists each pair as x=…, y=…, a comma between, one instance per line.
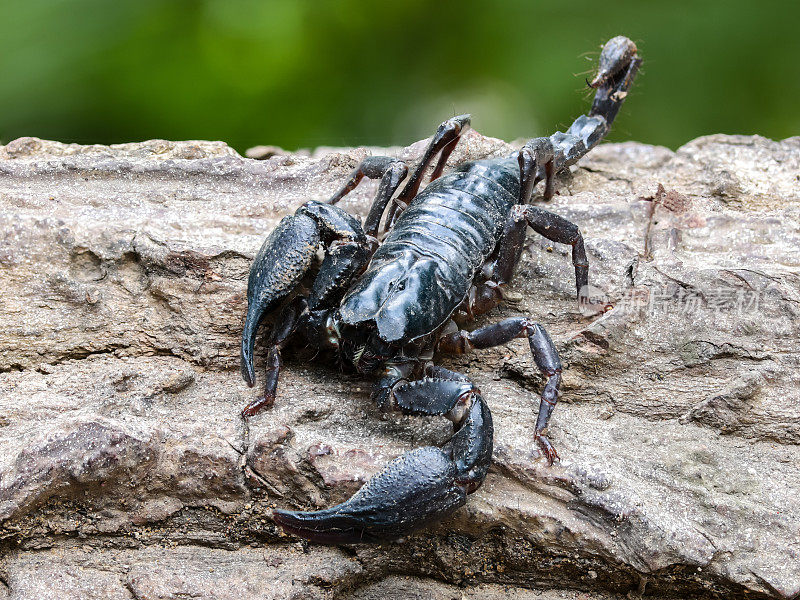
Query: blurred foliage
x=310, y=72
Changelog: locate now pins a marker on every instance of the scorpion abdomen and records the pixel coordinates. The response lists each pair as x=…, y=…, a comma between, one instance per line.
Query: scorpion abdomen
x=425, y=266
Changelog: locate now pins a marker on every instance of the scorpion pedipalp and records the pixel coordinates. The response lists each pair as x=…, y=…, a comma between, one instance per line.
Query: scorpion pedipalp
x=286, y=256
x=388, y=506
x=278, y=267
x=417, y=488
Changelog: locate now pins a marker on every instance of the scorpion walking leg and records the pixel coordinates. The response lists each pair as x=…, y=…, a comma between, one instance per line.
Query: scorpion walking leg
x=421, y=486
x=556, y=229
x=444, y=141
x=536, y=156
x=552, y=226
x=486, y=295
x=544, y=355
x=390, y=171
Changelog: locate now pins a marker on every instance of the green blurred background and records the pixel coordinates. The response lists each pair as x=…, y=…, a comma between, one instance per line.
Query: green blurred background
x=309, y=73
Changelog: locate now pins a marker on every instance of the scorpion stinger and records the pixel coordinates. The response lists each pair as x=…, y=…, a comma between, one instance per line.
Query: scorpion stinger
x=542, y=158
x=450, y=250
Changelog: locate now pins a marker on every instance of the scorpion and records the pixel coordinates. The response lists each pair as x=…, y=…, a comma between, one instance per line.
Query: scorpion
x=385, y=300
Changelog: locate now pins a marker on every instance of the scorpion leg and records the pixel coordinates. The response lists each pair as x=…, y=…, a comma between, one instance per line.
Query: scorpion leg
x=556, y=229
x=444, y=141
x=545, y=356
x=418, y=487
x=486, y=295
x=390, y=171
x=531, y=157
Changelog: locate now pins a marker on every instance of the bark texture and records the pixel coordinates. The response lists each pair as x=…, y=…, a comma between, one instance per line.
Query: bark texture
x=127, y=472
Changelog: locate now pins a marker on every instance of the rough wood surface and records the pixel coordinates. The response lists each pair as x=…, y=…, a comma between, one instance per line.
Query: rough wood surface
x=126, y=470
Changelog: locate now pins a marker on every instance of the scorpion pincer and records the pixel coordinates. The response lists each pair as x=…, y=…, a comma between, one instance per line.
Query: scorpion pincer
x=385, y=308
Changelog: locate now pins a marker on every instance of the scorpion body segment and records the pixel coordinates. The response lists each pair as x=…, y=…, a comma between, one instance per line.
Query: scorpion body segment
x=387, y=310
x=425, y=266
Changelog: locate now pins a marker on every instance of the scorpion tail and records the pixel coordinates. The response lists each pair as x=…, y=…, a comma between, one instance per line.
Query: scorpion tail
x=619, y=63
x=617, y=54
x=417, y=488
x=280, y=264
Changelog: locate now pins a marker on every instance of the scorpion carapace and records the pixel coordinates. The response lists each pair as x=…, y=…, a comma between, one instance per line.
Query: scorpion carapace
x=385, y=307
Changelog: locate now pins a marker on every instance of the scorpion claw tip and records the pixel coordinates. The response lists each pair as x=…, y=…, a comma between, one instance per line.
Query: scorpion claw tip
x=248, y=372
x=422, y=481
x=304, y=525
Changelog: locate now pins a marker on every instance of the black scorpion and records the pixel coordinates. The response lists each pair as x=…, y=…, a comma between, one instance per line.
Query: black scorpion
x=386, y=307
